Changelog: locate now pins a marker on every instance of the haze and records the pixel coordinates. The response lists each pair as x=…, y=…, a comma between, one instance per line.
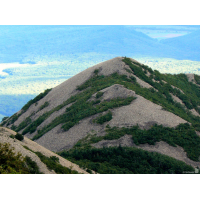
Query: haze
x=34, y=58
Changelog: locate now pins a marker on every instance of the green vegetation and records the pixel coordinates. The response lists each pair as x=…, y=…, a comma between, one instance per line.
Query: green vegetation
x=4, y=118
x=32, y=166
x=183, y=135
x=96, y=71
x=9, y=162
x=99, y=94
x=197, y=79
x=190, y=95
x=81, y=108
x=46, y=104
x=53, y=164
x=19, y=136
x=36, y=99
x=131, y=160
x=14, y=117
x=165, y=85
x=103, y=118
x=118, y=160
x=23, y=124
x=4, y=121
x=33, y=126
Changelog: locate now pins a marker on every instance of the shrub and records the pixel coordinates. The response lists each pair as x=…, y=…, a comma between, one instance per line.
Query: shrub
x=96, y=71
x=197, y=79
x=68, y=125
x=133, y=79
x=12, y=136
x=95, y=102
x=11, y=163
x=53, y=164
x=4, y=118
x=32, y=166
x=183, y=135
x=99, y=94
x=36, y=99
x=44, y=105
x=103, y=118
x=19, y=137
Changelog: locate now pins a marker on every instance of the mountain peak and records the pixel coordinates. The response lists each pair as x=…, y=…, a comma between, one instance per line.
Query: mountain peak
x=112, y=99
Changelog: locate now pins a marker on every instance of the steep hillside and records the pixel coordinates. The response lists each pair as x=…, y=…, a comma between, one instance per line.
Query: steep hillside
x=120, y=102
x=24, y=156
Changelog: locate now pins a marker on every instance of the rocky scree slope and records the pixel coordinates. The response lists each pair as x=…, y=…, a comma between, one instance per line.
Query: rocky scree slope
x=114, y=99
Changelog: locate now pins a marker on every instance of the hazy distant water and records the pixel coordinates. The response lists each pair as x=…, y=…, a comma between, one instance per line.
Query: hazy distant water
x=165, y=35
x=42, y=57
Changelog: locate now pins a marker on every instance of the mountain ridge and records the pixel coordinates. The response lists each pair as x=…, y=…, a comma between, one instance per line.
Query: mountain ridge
x=114, y=99
x=188, y=44
x=40, y=41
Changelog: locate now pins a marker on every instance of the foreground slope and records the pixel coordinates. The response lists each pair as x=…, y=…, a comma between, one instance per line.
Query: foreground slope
x=117, y=102
x=36, y=156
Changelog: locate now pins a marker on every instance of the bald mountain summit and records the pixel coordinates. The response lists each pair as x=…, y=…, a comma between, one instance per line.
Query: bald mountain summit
x=119, y=116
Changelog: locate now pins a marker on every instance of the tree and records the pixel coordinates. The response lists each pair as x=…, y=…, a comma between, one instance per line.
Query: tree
x=19, y=137
x=4, y=118
x=11, y=163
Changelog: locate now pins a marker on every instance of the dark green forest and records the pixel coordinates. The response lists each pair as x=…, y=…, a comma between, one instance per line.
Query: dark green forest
x=125, y=160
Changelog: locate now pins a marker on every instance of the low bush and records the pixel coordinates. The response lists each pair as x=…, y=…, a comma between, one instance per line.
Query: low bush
x=35, y=100
x=183, y=135
x=53, y=164
x=19, y=137
x=96, y=71
x=103, y=118
x=99, y=94
x=10, y=162
x=46, y=104
x=32, y=166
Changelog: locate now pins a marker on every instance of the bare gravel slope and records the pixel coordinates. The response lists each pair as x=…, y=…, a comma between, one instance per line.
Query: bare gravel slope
x=65, y=90
x=140, y=111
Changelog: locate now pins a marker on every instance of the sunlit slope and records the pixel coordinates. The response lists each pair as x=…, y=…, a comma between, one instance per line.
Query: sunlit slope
x=117, y=102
